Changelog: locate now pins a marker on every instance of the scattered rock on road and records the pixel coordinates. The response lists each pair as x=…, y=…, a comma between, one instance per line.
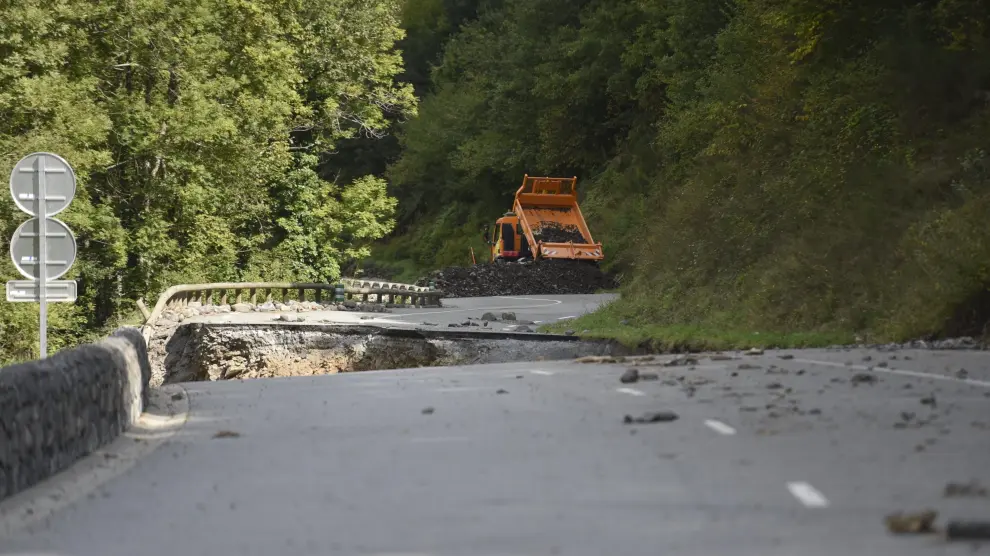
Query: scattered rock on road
x=227, y=434
x=488, y=317
x=929, y=400
x=863, y=378
x=652, y=417
x=967, y=530
x=971, y=488
x=630, y=376
x=911, y=523
x=427, y=411
x=501, y=391
x=786, y=356
x=508, y=316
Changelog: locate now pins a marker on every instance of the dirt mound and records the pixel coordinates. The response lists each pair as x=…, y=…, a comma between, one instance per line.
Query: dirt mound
x=544, y=277
x=555, y=232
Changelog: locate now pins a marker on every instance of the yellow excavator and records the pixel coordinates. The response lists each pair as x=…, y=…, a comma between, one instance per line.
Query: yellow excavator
x=545, y=223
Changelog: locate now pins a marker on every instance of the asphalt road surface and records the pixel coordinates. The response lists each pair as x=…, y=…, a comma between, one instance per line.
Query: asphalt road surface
x=801, y=456
x=533, y=308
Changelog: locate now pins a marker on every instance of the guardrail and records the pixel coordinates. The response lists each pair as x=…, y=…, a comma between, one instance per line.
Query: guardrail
x=239, y=292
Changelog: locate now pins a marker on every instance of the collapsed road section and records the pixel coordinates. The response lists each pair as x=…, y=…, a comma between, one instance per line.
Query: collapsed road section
x=212, y=351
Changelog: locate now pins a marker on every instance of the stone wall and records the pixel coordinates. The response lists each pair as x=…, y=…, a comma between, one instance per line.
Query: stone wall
x=57, y=410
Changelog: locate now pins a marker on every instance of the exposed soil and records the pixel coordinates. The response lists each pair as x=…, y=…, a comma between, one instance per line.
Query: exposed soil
x=555, y=232
x=541, y=278
x=201, y=351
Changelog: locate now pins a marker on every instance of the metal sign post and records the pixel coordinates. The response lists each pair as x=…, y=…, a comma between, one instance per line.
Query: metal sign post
x=43, y=248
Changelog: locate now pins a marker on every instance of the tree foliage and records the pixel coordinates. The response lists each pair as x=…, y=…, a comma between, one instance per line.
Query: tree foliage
x=758, y=163
x=198, y=129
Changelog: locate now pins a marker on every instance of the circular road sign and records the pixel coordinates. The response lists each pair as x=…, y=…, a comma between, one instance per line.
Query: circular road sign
x=44, y=174
x=25, y=252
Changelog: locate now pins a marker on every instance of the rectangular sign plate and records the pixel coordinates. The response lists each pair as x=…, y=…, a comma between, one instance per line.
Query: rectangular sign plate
x=29, y=291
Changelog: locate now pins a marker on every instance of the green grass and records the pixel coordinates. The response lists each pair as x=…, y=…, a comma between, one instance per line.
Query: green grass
x=605, y=325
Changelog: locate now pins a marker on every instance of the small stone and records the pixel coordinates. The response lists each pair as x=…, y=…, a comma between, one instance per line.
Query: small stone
x=786, y=356
x=815, y=411
x=630, y=376
x=882, y=364
x=427, y=411
x=913, y=523
x=489, y=317
x=501, y=391
x=748, y=366
x=242, y=308
x=652, y=417
x=929, y=400
x=227, y=434
x=972, y=488
x=508, y=316
x=800, y=372
x=863, y=378
x=519, y=376
x=774, y=386
x=962, y=373
x=867, y=358
x=754, y=351
x=733, y=373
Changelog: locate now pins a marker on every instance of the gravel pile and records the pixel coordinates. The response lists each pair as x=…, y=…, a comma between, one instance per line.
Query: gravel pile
x=555, y=232
x=544, y=277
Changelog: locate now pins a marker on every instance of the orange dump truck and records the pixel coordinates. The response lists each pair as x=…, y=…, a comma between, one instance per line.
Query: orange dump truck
x=545, y=223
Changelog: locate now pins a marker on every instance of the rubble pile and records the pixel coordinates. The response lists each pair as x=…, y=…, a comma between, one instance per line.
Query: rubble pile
x=555, y=232
x=541, y=278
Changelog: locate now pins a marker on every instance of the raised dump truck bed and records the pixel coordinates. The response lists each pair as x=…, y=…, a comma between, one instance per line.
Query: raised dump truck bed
x=551, y=220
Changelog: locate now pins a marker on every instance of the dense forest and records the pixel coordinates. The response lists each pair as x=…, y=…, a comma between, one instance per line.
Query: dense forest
x=750, y=164
x=761, y=165
x=203, y=135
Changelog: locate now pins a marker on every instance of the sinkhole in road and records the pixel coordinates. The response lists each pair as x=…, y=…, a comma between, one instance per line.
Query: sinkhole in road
x=207, y=351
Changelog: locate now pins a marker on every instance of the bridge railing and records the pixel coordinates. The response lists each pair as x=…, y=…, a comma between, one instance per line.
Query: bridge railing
x=240, y=292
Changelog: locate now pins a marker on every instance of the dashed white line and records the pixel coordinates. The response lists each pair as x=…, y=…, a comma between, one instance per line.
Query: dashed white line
x=903, y=372
x=807, y=495
x=630, y=391
x=544, y=373
x=720, y=427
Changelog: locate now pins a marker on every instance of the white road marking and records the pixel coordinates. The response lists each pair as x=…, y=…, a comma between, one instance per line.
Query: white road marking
x=807, y=495
x=630, y=391
x=902, y=372
x=544, y=373
x=720, y=427
x=565, y=318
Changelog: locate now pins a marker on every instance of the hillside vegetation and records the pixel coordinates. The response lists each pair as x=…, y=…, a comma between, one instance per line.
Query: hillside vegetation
x=820, y=167
x=202, y=133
